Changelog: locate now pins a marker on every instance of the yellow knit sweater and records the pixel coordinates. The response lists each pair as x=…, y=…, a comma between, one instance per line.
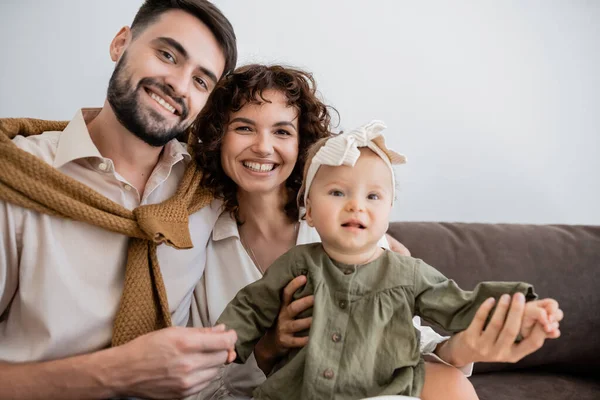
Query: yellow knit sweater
x=29, y=182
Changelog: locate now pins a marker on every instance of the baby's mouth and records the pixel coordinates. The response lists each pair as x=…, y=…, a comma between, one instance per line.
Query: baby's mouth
x=354, y=225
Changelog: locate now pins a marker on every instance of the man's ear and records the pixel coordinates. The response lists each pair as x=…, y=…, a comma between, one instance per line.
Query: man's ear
x=120, y=43
x=308, y=215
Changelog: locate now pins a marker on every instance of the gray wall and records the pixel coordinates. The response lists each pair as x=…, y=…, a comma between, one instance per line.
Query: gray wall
x=496, y=104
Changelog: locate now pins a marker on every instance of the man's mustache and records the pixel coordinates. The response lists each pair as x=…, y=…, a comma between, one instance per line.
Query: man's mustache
x=166, y=89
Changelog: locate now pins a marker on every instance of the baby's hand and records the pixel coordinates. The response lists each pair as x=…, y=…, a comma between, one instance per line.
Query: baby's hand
x=544, y=312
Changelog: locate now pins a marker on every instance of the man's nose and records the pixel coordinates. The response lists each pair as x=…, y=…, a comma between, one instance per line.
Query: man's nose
x=179, y=82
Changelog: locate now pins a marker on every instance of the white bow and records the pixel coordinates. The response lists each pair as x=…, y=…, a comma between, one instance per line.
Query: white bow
x=343, y=149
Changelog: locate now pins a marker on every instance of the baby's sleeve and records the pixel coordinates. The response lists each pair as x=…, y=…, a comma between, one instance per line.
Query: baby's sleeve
x=440, y=301
x=255, y=307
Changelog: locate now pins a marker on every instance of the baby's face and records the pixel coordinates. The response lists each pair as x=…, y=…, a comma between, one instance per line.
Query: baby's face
x=350, y=206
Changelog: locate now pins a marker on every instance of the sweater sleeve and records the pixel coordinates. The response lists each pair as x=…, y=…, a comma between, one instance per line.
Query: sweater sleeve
x=255, y=307
x=440, y=301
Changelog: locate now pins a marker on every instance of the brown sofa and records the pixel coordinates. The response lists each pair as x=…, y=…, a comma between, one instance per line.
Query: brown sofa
x=562, y=262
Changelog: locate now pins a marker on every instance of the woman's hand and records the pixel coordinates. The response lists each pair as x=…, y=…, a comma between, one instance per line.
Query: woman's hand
x=281, y=338
x=497, y=342
x=396, y=246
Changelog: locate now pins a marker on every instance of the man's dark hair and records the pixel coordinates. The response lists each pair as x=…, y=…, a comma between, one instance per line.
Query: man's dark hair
x=204, y=10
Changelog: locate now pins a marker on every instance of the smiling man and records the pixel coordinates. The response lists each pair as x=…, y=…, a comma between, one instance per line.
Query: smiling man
x=63, y=283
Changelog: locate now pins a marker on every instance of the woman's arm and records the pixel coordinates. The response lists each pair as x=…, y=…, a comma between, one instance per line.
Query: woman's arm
x=396, y=246
x=281, y=338
x=497, y=343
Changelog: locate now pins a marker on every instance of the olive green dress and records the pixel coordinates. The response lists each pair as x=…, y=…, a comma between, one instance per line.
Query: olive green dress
x=362, y=340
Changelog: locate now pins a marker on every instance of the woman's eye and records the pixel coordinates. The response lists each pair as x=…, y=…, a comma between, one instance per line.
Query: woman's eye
x=283, y=132
x=373, y=196
x=243, y=129
x=336, y=193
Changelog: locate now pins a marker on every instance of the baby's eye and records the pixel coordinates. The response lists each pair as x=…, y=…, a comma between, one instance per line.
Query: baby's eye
x=336, y=193
x=373, y=196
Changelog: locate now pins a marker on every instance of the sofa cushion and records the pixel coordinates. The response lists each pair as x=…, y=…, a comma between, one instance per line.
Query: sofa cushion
x=561, y=261
x=534, y=385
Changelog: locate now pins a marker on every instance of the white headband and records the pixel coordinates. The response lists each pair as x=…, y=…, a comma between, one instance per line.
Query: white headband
x=343, y=150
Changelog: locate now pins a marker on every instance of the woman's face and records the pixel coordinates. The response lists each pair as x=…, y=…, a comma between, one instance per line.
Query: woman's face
x=260, y=146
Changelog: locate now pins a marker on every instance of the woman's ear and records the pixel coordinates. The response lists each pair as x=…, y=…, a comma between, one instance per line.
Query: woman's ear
x=308, y=214
x=120, y=43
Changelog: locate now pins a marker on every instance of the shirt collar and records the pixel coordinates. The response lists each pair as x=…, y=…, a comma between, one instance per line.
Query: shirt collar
x=225, y=227
x=75, y=143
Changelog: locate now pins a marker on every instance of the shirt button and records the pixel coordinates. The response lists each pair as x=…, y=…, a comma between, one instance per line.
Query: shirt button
x=127, y=187
x=328, y=374
x=102, y=166
x=336, y=337
x=343, y=304
x=347, y=271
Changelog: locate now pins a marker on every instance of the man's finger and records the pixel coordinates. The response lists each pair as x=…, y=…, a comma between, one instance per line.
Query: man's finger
x=290, y=289
x=199, y=380
x=512, y=324
x=208, y=360
x=209, y=341
x=481, y=316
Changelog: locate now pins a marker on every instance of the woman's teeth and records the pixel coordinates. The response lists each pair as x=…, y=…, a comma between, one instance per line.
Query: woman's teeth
x=258, y=167
x=163, y=103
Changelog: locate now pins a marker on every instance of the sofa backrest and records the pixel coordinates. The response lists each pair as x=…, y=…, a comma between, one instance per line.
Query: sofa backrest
x=561, y=261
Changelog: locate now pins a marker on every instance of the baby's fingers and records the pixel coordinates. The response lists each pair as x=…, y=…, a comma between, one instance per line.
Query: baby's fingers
x=535, y=311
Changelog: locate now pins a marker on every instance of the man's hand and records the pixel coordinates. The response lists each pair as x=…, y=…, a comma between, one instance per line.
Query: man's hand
x=497, y=342
x=171, y=363
x=166, y=364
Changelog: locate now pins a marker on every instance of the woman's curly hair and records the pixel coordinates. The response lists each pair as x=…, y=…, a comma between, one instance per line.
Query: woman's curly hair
x=246, y=85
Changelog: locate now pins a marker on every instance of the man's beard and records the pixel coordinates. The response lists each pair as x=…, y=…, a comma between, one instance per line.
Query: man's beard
x=145, y=123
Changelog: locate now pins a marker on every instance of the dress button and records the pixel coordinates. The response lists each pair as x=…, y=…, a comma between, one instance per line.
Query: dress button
x=127, y=187
x=336, y=337
x=102, y=166
x=343, y=304
x=328, y=373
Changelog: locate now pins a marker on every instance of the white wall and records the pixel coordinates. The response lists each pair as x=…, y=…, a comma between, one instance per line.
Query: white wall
x=496, y=104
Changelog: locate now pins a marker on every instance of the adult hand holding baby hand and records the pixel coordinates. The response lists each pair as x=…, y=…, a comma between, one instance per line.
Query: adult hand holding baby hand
x=496, y=341
x=544, y=312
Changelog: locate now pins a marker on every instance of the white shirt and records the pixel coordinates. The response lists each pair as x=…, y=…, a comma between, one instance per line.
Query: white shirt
x=61, y=280
x=228, y=269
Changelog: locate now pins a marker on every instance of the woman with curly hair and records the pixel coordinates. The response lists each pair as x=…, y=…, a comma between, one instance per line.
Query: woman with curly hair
x=254, y=134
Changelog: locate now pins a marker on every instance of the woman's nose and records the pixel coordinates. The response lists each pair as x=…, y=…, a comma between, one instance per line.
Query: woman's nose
x=263, y=145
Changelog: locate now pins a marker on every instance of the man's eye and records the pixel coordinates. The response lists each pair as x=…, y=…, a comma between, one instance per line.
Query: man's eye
x=201, y=82
x=167, y=56
x=336, y=193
